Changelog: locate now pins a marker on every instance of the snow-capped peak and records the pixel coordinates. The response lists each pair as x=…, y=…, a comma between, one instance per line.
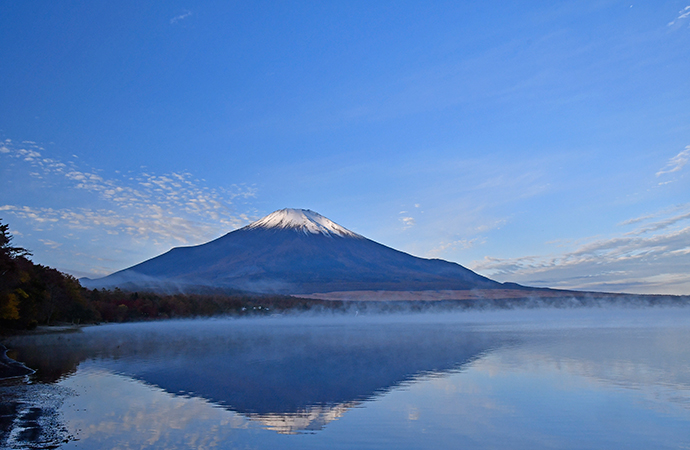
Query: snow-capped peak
x=303, y=220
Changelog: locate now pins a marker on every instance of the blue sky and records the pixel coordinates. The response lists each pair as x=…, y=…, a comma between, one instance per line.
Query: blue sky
x=545, y=144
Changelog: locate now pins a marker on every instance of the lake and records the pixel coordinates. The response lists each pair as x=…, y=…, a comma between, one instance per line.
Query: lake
x=587, y=378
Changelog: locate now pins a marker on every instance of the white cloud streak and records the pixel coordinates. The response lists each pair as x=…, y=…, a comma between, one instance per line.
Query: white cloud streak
x=51, y=244
x=408, y=222
x=169, y=209
x=462, y=244
x=616, y=263
x=676, y=163
x=155, y=224
x=183, y=16
x=682, y=14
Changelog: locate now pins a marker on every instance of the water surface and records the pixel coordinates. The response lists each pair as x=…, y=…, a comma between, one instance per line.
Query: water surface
x=585, y=378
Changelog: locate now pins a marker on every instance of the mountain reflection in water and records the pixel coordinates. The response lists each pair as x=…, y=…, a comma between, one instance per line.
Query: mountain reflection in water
x=519, y=379
x=290, y=377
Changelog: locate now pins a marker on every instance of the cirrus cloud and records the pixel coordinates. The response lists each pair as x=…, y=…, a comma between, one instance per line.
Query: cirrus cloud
x=131, y=212
x=617, y=263
x=182, y=16
x=676, y=163
x=682, y=14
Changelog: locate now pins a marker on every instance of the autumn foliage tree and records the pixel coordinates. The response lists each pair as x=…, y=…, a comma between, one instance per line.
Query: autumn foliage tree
x=31, y=294
x=11, y=275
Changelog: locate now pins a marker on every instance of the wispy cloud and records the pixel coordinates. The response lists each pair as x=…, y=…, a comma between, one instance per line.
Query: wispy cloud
x=408, y=222
x=153, y=202
x=667, y=212
x=182, y=16
x=51, y=244
x=682, y=14
x=143, y=207
x=156, y=225
x=460, y=244
x=676, y=163
x=492, y=225
x=615, y=263
x=660, y=225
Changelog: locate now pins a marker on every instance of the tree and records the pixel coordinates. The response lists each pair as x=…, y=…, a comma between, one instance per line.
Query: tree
x=7, y=252
x=11, y=277
x=32, y=294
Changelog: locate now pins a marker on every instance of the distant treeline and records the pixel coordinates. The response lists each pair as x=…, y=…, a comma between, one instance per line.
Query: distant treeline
x=32, y=295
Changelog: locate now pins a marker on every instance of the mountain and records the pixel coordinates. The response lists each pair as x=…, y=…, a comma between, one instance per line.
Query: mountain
x=293, y=251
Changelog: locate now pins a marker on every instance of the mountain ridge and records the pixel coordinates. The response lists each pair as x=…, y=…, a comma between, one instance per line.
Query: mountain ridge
x=293, y=251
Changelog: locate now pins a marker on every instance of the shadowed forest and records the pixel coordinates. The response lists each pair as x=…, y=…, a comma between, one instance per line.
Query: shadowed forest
x=32, y=295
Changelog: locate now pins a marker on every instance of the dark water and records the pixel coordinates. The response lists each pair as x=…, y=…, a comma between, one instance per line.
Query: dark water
x=587, y=378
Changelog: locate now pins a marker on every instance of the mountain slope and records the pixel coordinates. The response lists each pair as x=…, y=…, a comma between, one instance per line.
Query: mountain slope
x=294, y=252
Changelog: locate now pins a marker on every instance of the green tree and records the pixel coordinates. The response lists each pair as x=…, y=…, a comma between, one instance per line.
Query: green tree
x=6, y=249
x=32, y=294
x=11, y=275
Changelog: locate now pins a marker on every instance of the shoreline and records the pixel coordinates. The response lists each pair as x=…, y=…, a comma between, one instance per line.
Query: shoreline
x=393, y=301
x=9, y=368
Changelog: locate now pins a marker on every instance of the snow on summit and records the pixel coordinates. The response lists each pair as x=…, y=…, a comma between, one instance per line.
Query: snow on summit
x=303, y=220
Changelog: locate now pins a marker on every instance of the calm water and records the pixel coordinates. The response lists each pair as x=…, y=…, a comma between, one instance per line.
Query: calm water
x=587, y=378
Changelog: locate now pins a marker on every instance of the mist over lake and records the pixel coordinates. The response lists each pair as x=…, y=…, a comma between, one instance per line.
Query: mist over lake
x=546, y=378
x=344, y=225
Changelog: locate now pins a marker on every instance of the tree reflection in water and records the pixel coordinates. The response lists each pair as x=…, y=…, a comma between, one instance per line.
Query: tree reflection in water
x=297, y=375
